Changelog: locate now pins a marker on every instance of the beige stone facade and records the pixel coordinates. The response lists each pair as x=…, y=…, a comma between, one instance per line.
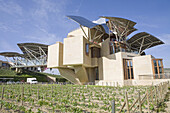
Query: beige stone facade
x=96, y=64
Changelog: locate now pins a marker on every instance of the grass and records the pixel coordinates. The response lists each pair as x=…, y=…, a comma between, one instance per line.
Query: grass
x=162, y=105
x=41, y=77
x=59, y=78
x=73, y=98
x=66, y=98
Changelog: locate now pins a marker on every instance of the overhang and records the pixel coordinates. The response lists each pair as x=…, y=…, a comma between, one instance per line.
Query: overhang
x=122, y=26
x=143, y=40
x=33, y=47
x=122, y=21
x=11, y=54
x=89, y=24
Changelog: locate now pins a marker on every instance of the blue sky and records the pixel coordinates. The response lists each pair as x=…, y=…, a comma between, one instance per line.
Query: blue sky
x=45, y=21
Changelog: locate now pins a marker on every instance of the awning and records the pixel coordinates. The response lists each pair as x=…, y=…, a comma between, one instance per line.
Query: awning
x=87, y=23
x=122, y=26
x=11, y=54
x=142, y=41
x=34, y=48
x=121, y=21
x=82, y=21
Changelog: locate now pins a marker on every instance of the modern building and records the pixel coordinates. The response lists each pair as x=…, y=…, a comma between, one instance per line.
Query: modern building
x=33, y=56
x=4, y=64
x=100, y=52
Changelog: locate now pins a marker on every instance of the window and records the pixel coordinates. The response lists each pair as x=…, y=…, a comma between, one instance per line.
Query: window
x=95, y=52
x=128, y=69
x=4, y=64
x=87, y=49
x=111, y=48
x=117, y=47
x=157, y=68
x=97, y=73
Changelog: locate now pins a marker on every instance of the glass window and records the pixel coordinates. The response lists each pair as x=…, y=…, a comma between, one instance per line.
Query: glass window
x=127, y=63
x=159, y=62
x=128, y=74
x=131, y=63
x=112, y=48
x=95, y=52
x=156, y=70
x=87, y=48
x=154, y=61
x=4, y=64
x=97, y=73
x=160, y=69
x=132, y=73
x=128, y=69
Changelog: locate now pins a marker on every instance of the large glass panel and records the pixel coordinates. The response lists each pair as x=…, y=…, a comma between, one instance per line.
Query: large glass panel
x=154, y=62
x=3, y=64
x=128, y=74
x=156, y=70
x=97, y=73
x=131, y=63
x=127, y=63
x=159, y=63
x=112, y=48
x=118, y=48
x=160, y=70
x=132, y=73
x=87, y=48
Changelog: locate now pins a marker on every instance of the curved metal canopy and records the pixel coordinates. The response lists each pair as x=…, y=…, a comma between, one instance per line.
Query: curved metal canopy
x=121, y=21
x=33, y=47
x=122, y=27
x=87, y=23
x=82, y=21
x=142, y=41
x=11, y=54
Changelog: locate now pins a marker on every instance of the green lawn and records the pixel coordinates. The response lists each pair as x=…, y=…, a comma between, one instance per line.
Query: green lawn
x=41, y=77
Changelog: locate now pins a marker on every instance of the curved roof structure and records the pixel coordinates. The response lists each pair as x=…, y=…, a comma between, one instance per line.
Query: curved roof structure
x=11, y=54
x=82, y=21
x=87, y=23
x=143, y=40
x=33, y=47
x=121, y=21
x=101, y=30
x=122, y=26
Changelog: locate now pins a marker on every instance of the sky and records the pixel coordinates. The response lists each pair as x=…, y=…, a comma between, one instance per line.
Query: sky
x=45, y=21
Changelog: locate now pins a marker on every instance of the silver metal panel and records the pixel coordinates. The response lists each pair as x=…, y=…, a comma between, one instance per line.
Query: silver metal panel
x=83, y=21
x=143, y=40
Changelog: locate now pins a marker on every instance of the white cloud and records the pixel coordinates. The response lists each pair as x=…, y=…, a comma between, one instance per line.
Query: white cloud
x=10, y=7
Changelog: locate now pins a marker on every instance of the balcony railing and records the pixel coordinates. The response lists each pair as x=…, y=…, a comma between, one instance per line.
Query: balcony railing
x=156, y=76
